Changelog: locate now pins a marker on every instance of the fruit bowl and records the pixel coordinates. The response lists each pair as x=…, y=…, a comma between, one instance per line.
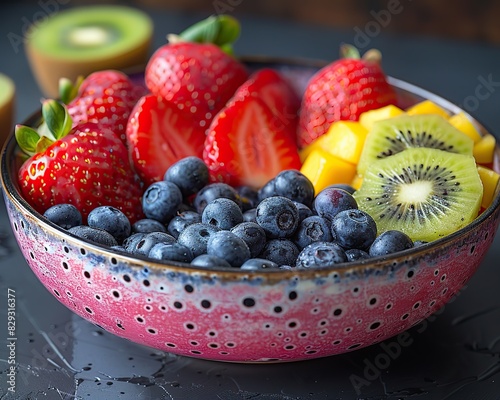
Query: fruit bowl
x=250, y=316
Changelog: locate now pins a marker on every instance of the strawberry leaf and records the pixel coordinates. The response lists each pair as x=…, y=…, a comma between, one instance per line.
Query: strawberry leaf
x=42, y=144
x=221, y=30
x=57, y=118
x=27, y=139
x=68, y=90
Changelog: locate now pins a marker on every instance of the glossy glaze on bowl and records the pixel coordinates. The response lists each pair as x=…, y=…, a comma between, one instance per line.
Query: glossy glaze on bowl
x=232, y=315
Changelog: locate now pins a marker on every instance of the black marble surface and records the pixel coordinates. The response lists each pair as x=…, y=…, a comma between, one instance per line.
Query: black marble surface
x=455, y=354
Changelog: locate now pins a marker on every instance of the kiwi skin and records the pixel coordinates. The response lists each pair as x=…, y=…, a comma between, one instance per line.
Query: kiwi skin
x=425, y=193
x=390, y=136
x=49, y=68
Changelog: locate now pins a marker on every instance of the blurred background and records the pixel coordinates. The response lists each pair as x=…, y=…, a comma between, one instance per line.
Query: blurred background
x=470, y=20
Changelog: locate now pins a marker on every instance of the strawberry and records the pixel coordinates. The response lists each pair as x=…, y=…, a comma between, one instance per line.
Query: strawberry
x=105, y=98
x=343, y=90
x=245, y=145
x=194, y=72
x=272, y=88
x=86, y=166
x=159, y=134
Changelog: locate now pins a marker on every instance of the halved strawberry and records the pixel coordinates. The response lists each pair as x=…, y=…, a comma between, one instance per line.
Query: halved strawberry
x=245, y=146
x=159, y=134
x=274, y=90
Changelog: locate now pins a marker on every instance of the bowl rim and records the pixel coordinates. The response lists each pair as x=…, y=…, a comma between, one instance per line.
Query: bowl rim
x=11, y=190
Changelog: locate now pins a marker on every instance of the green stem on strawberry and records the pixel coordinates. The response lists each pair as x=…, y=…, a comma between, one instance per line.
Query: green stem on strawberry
x=349, y=51
x=68, y=89
x=56, y=124
x=221, y=30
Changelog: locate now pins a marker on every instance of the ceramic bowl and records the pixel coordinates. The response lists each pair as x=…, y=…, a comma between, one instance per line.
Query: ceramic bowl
x=238, y=316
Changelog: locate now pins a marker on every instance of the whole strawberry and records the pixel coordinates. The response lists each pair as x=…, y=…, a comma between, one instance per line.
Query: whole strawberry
x=105, y=98
x=194, y=70
x=86, y=166
x=343, y=90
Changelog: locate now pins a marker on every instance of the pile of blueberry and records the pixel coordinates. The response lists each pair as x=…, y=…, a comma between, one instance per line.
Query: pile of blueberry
x=281, y=226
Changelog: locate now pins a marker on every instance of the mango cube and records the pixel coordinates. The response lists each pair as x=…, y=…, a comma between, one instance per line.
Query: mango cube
x=484, y=149
x=465, y=125
x=490, y=182
x=324, y=169
x=369, y=117
x=428, y=107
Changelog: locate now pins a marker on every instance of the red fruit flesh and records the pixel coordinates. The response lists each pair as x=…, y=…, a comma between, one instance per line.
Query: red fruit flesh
x=159, y=134
x=248, y=145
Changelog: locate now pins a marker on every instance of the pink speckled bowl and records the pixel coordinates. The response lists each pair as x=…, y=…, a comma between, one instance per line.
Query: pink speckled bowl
x=249, y=316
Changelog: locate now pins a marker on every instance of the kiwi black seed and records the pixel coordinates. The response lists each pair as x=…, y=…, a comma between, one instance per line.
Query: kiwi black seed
x=391, y=136
x=426, y=193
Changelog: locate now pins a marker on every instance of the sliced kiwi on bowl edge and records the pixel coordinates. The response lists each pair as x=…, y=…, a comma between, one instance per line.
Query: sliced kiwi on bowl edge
x=391, y=136
x=81, y=40
x=426, y=193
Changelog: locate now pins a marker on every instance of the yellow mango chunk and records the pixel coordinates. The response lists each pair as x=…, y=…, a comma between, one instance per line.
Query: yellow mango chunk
x=490, y=181
x=369, y=117
x=427, y=107
x=324, y=169
x=345, y=139
x=357, y=181
x=484, y=149
x=465, y=125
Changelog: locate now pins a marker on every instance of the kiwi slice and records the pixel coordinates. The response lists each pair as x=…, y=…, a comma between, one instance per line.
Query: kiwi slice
x=81, y=40
x=426, y=193
x=7, y=107
x=390, y=136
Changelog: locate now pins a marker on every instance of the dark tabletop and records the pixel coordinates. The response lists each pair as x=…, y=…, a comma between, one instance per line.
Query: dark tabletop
x=455, y=354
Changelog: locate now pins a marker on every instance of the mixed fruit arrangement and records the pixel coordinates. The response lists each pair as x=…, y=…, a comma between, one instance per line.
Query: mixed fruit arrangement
x=209, y=164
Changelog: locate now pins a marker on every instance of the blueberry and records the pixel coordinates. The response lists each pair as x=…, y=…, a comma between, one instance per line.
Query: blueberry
x=130, y=243
x=222, y=213
x=112, y=220
x=304, y=211
x=294, y=185
x=190, y=174
x=389, y=242
x=278, y=216
x=214, y=191
x=95, y=235
x=320, y=255
x=354, y=229
x=249, y=197
x=253, y=235
x=170, y=252
x=228, y=246
x=417, y=243
x=161, y=201
x=64, y=215
x=312, y=229
x=249, y=215
x=258, y=264
x=148, y=225
x=206, y=260
x=148, y=241
x=330, y=201
x=356, y=255
x=344, y=186
x=280, y=251
x=196, y=237
x=181, y=221
x=268, y=190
